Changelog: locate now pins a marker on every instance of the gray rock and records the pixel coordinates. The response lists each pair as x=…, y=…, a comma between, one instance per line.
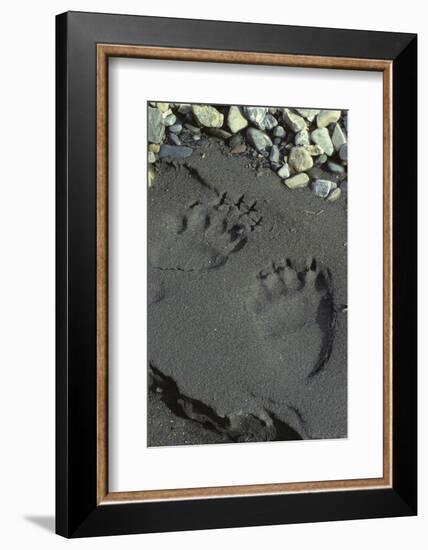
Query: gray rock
x=255, y=114
x=258, y=139
x=294, y=121
x=207, y=116
x=321, y=137
x=175, y=128
x=151, y=157
x=274, y=154
x=235, y=120
x=155, y=126
x=219, y=133
x=322, y=159
x=277, y=140
x=238, y=149
x=192, y=129
x=316, y=173
x=278, y=132
x=184, y=108
x=175, y=151
x=324, y=118
x=343, y=153
x=322, y=188
x=284, y=171
x=297, y=182
x=335, y=168
x=338, y=138
x=299, y=159
x=301, y=138
x=235, y=140
x=170, y=120
x=268, y=122
x=175, y=140
x=309, y=114
x=334, y=195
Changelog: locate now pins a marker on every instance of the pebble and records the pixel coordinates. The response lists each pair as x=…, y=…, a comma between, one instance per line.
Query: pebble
x=284, y=171
x=155, y=126
x=151, y=157
x=321, y=137
x=235, y=120
x=258, y=139
x=163, y=107
x=274, y=154
x=175, y=151
x=293, y=121
x=238, y=149
x=150, y=176
x=175, y=140
x=299, y=159
x=184, y=108
x=321, y=159
x=192, y=129
x=170, y=120
x=237, y=139
x=314, y=150
x=322, y=188
x=335, y=168
x=175, y=128
x=255, y=114
x=154, y=147
x=334, y=195
x=277, y=140
x=338, y=138
x=343, y=153
x=278, y=132
x=301, y=138
x=309, y=114
x=207, y=116
x=219, y=133
x=324, y=118
x=268, y=122
x=297, y=182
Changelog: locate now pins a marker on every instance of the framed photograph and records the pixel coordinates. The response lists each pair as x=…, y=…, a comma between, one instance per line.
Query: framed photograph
x=236, y=274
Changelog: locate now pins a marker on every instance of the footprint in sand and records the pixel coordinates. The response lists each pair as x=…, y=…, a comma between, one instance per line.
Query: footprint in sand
x=204, y=236
x=294, y=314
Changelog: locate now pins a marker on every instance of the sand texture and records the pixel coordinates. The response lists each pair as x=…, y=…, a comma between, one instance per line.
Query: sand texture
x=247, y=303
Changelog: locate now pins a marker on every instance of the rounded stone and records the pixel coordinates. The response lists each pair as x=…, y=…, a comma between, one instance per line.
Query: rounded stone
x=322, y=187
x=299, y=159
x=297, y=182
x=334, y=195
x=321, y=137
x=325, y=117
x=258, y=139
x=207, y=116
x=343, y=153
x=235, y=120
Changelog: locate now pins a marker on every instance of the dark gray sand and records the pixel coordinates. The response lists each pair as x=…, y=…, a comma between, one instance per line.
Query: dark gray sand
x=247, y=305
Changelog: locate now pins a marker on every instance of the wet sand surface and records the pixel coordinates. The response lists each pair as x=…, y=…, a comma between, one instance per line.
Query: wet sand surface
x=247, y=294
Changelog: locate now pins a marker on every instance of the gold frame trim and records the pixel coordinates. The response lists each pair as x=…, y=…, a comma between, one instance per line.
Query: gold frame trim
x=104, y=51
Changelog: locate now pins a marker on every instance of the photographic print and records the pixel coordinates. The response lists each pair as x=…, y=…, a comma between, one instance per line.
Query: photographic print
x=247, y=273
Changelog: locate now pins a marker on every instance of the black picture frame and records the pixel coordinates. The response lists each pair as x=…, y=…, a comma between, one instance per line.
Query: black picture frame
x=78, y=513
